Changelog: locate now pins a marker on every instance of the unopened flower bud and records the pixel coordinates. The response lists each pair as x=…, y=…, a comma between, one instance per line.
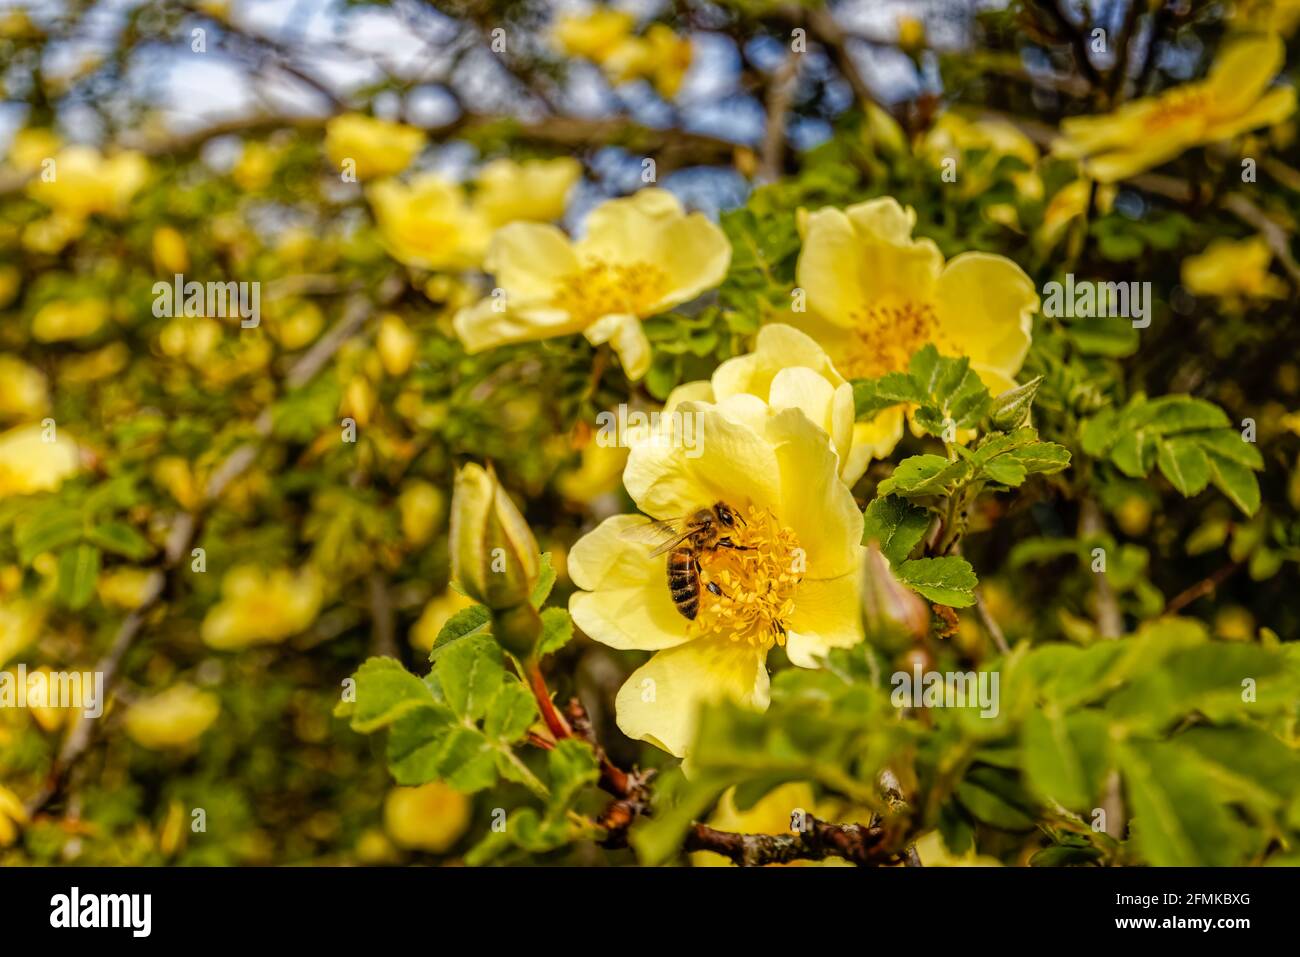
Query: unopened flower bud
x=1011, y=409
x=891, y=612
x=493, y=553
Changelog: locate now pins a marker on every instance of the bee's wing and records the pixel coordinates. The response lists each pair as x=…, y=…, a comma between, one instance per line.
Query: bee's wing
x=663, y=535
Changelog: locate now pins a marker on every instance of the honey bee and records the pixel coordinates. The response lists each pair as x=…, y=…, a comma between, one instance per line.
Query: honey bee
x=685, y=540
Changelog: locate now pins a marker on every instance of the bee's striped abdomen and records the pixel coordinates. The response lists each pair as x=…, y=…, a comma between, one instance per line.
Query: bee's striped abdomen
x=684, y=582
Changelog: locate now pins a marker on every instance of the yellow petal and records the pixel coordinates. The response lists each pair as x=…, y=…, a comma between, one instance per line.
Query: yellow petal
x=481, y=326
x=626, y=602
x=827, y=269
x=616, y=231
x=827, y=614
x=694, y=253
x=732, y=463
x=1242, y=71
x=529, y=261
x=627, y=339
x=828, y=407
x=985, y=304
x=30, y=464
x=877, y=437
x=814, y=502
x=1272, y=108
x=884, y=218
x=660, y=702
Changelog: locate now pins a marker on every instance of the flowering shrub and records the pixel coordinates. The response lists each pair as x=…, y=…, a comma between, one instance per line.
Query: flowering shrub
x=637, y=438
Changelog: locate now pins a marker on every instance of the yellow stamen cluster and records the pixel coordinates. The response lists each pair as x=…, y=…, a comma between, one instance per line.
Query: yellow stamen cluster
x=758, y=584
x=886, y=336
x=601, y=289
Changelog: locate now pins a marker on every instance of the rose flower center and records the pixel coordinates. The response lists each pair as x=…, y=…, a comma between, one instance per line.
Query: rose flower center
x=758, y=581
x=884, y=337
x=600, y=288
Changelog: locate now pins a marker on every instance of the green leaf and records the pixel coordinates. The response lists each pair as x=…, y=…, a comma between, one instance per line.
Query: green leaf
x=895, y=524
x=557, y=631
x=384, y=692
x=572, y=765
x=949, y=580
x=1236, y=481
x=121, y=539
x=1186, y=466
x=1065, y=755
x=78, y=573
x=1178, y=820
x=427, y=746
x=49, y=529
x=511, y=713
x=924, y=475
x=474, y=620
x=545, y=581
x=471, y=672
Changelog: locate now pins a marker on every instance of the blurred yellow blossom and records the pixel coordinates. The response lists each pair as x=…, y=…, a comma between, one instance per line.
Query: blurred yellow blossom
x=431, y=817
x=36, y=458
x=69, y=319
x=31, y=147
x=396, y=344
x=169, y=253
x=592, y=35
x=774, y=813
x=423, y=508
x=128, y=588
x=640, y=256
x=429, y=222
x=174, y=718
x=1145, y=133
x=21, y=620
x=1274, y=16
x=534, y=190
x=377, y=147
x=12, y=816
x=1235, y=270
x=85, y=182
x=262, y=606
x=598, y=473
x=23, y=390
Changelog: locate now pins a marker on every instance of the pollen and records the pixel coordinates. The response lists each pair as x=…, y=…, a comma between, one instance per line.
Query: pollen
x=601, y=288
x=757, y=581
x=884, y=337
x=1175, y=106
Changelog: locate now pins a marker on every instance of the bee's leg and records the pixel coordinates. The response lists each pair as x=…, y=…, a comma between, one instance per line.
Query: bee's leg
x=713, y=588
x=726, y=542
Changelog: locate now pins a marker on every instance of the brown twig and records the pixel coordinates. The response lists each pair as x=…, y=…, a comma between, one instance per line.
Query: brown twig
x=1202, y=588
x=862, y=844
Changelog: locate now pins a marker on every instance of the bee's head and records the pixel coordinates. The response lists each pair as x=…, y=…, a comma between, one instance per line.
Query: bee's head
x=726, y=517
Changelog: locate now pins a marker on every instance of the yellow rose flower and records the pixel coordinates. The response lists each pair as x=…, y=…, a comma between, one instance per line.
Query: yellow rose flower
x=787, y=369
x=260, y=606
x=669, y=57
x=534, y=190
x=431, y=817
x=1234, y=270
x=429, y=223
x=87, y=182
x=30, y=464
x=23, y=390
x=62, y=320
x=934, y=853
x=875, y=296
x=377, y=147
x=641, y=256
x=20, y=624
x=598, y=473
x=436, y=614
x=173, y=719
x=255, y=166
x=954, y=137
x=1151, y=131
x=591, y=36
x=793, y=581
